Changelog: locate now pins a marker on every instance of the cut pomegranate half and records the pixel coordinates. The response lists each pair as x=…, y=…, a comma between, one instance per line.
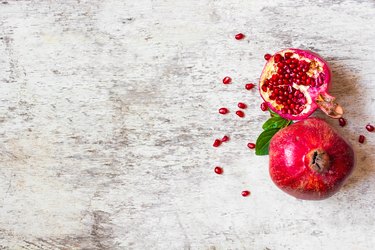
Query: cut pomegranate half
x=294, y=83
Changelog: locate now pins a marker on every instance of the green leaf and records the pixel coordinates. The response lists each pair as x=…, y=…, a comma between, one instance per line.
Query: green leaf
x=275, y=122
x=273, y=114
x=263, y=142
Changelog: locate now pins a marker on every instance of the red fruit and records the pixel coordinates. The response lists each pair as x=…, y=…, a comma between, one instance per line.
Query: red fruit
x=310, y=160
x=342, y=122
x=306, y=77
x=217, y=143
x=361, y=139
x=245, y=193
x=240, y=113
x=267, y=57
x=239, y=36
x=227, y=80
x=251, y=145
x=249, y=86
x=370, y=128
x=242, y=105
x=263, y=106
x=223, y=111
x=218, y=170
x=225, y=138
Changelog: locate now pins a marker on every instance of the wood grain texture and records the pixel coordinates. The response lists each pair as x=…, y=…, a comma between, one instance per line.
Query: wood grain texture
x=108, y=110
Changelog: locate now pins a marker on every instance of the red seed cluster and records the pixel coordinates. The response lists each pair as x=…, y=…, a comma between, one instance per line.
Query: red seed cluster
x=290, y=71
x=227, y=80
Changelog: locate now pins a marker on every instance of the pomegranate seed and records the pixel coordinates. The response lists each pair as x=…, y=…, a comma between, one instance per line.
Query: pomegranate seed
x=251, y=145
x=264, y=88
x=278, y=58
x=223, y=111
x=245, y=193
x=288, y=54
x=263, y=106
x=267, y=57
x=249, y=86
x=217, y=143
x=370, y=128
x=227, y=80
x=342, y=122
x=242, y=105
x=239, y=36
x=219, y=170
x=225, y=138
x=240, y=113
x=361, y=139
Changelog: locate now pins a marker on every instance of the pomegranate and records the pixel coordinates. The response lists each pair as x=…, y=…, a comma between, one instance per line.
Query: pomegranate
x=294, y=83
x=310, y=160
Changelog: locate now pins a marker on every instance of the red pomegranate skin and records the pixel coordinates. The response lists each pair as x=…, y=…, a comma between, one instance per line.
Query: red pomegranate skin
x=292, y=151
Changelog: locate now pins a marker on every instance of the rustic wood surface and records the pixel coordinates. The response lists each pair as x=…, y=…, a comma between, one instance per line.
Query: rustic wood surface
x=108, y=110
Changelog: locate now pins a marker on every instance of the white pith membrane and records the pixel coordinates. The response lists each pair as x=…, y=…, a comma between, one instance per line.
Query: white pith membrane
x=316, y=67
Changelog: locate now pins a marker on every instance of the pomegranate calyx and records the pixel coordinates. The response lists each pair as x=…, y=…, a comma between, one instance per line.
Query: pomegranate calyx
x=319, y=160
x=328, y=105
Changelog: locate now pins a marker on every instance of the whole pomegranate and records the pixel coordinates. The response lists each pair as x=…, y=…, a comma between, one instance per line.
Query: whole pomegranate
x=309, y=160
x=294, y=83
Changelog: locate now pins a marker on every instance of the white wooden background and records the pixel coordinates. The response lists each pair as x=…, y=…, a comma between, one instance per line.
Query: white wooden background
x=108, y=110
